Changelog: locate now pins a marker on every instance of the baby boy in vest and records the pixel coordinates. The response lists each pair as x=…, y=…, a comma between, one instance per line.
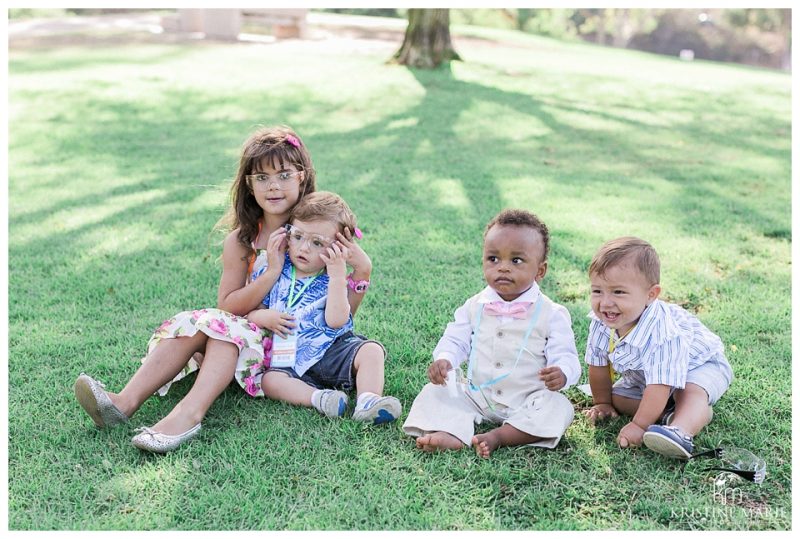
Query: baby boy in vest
x=518, y=346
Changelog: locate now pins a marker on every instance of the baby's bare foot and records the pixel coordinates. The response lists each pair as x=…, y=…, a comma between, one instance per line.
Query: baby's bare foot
x=485, y=443
x=437, y=441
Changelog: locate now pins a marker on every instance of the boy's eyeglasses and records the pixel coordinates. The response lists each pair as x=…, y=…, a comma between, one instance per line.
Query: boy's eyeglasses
x=263, y=181
x=297, y=237
x=737, y=461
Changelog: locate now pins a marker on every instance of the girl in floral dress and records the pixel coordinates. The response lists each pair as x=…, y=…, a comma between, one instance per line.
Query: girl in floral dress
x=275, y=172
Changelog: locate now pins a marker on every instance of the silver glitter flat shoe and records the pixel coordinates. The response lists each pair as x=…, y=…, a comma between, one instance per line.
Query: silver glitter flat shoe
x=94, y=400
x=150, y=440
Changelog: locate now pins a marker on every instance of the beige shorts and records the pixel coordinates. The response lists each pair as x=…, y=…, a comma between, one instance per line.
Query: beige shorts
x=544, y=414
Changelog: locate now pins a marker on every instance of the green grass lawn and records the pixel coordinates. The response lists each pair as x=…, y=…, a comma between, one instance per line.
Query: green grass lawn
x=119, y=163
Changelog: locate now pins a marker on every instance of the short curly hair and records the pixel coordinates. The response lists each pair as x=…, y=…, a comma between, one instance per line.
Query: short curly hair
x=516, y=217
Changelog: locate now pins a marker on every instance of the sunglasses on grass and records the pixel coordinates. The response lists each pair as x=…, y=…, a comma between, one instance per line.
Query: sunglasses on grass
x=736, y=461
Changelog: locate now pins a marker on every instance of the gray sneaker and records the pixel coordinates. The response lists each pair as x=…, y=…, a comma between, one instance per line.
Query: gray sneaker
x=330, y=402
x=92, y=397
x=377, y=410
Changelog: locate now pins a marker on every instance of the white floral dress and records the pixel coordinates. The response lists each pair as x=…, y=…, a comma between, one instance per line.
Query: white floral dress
x=254, y=343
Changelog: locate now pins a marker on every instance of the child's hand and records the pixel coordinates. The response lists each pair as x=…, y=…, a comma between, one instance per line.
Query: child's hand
x=276, y=248
x=357, y=258
x=599, y=412
x=630, y=435
x=553, y=377
x=278, y=322
x=437, y=372
x=336, y=261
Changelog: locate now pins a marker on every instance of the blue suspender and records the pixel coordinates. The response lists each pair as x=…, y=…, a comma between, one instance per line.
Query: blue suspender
x=536, y=310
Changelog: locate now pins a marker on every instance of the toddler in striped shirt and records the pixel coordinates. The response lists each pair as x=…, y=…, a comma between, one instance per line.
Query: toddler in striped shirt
x=672, y=368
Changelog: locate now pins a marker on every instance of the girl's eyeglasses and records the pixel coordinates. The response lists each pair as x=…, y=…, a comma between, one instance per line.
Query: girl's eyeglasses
x=316, y=242
x=282, y=180
x=736, y=461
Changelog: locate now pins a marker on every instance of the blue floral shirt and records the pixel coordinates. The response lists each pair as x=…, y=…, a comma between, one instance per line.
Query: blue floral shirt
x=314, y=336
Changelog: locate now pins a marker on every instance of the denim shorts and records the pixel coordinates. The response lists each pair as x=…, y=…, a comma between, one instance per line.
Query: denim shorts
x=335, y=369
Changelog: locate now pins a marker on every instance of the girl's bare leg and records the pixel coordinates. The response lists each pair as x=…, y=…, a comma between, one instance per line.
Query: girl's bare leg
x=216, y=373
x=162, y=364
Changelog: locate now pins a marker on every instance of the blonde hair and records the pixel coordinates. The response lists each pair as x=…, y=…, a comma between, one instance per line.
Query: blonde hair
x=616, y=251
x=325, y=206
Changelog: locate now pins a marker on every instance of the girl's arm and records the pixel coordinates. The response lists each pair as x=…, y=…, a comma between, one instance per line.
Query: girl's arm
x=361, y=264
x=337, y=308
x=233, y=295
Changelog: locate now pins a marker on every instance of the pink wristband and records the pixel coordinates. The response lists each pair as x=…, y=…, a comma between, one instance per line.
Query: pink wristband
x=359, y=287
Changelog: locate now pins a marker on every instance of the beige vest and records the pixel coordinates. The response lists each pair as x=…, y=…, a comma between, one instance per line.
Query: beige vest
x=496, y=349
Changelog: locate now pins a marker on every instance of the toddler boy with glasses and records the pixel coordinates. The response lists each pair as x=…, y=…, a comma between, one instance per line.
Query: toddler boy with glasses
x=673, y=368
x=518, y=346
x=314, y=355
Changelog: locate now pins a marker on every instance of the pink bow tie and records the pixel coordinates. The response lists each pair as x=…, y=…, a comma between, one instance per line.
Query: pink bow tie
x=501, y=308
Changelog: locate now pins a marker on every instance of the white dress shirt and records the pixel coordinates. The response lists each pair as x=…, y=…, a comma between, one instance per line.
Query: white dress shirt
x=560, y=350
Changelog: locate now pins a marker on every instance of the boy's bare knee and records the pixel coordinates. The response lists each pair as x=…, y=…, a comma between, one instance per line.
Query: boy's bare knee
x=271, y=380
x=369, y=352
x=691, y=393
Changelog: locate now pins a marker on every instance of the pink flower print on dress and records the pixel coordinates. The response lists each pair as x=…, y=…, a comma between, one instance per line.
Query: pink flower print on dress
x=238, y=341
x=253, y=327
x=198, y=314
x=164, y=324
x=218, y=326
x=267, y=344
x=250, y=386
x=291, y=139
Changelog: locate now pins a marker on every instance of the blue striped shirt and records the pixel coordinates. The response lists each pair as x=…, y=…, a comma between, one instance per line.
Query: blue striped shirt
x=666, y=343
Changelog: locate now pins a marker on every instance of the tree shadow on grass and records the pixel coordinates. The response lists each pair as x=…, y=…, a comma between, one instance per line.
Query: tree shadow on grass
x=423, y=233
x=422, y=145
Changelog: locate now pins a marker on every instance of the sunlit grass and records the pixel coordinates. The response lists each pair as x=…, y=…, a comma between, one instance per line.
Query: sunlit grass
x=119, y=165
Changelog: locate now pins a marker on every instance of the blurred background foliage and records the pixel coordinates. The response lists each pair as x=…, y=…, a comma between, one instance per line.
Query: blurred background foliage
x=753, y=36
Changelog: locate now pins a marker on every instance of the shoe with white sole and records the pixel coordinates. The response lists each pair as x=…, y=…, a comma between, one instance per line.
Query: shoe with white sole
x=95, y=401
x=378, y=410
x=669, y=441
x=330, y=402
x=156, y=442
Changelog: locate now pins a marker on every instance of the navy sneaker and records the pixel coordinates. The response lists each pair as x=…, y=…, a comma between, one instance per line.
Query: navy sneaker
x=669, y=441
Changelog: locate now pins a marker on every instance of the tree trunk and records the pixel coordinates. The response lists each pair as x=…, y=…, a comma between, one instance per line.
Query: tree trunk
x=427, y=40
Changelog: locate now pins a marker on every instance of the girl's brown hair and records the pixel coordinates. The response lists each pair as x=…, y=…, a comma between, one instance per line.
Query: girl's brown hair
x=279, y=145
